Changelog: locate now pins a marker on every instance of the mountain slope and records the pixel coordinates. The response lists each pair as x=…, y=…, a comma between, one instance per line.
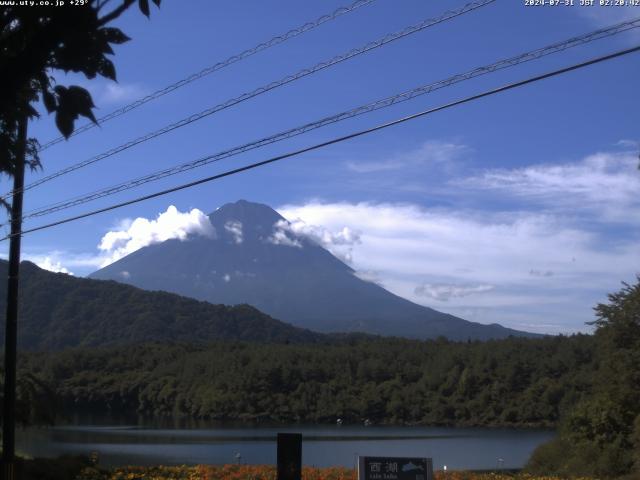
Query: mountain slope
x=59, y=311
x=252, y=260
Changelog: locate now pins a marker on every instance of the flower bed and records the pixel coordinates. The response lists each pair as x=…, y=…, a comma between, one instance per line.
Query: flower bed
x=267, y=472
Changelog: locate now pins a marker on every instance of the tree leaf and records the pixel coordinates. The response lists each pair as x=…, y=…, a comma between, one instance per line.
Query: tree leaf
x=80, y=102
x=49, y=101
x=106, y=48
x=114, y=35
x=144, y=7
x=72, y=102
x=44, y=81
x=107, y=69
x=64, y=122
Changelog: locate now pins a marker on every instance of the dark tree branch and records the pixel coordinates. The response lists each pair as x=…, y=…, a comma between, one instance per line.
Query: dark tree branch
x=115, y=13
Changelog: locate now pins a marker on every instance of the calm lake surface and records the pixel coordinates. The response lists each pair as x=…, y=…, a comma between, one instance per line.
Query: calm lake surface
x=144, y=443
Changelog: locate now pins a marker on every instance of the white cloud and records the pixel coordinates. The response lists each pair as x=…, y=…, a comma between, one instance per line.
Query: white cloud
x=141, y=232
x=339, y=241
x=281, y=235
x=603, y=16
x=52, y=259
x=235, y=229
x=53, y=266
x=443, y=292
x=106, y=92
x=630, y=144
x=368, y=276
x=321, y=235
x=408, y=245
x=433, y=153
x=607, y=183
x=540, y=273
x=117, y=93
x=400, y=235
x=60, y=260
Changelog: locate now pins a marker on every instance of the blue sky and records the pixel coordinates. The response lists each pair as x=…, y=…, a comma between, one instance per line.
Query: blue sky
x=520, y=209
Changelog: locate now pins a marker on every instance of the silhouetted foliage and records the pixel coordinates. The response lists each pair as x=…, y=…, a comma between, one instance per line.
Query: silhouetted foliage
x=35, y=41
x=601, y=435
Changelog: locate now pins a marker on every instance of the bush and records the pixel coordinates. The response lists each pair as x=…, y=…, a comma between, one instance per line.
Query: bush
x=62, y=468
x=548, y=457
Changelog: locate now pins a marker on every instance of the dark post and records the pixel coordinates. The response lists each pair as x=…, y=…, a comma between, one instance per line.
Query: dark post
x=289, y=456
x=11, y=329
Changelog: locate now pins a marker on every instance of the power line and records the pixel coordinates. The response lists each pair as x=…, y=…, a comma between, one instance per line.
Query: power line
x=217, y=66
x=336, y=140
x=367, y=108
x=448, y=15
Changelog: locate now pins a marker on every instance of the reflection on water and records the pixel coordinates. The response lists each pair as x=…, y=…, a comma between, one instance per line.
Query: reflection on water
x=144, y=442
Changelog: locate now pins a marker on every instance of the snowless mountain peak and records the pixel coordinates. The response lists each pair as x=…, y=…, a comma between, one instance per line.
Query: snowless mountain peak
x=259, y=258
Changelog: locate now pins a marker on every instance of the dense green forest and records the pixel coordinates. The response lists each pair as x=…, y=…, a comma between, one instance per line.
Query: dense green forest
x=528, y=382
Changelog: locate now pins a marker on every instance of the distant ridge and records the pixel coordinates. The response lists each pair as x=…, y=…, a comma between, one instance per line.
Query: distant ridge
x=59, y=311
x=293, y=279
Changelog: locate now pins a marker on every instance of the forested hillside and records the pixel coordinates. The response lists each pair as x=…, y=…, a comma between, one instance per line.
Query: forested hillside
x=59, y=311
x=506, y=382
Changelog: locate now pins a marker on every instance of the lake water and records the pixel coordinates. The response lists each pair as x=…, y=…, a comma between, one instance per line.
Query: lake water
x=140, y=444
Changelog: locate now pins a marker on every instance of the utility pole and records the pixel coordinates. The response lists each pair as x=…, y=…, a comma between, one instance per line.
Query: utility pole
x=11, y=329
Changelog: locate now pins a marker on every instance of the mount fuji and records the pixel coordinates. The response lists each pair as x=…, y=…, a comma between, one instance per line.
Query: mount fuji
x=253, y=258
